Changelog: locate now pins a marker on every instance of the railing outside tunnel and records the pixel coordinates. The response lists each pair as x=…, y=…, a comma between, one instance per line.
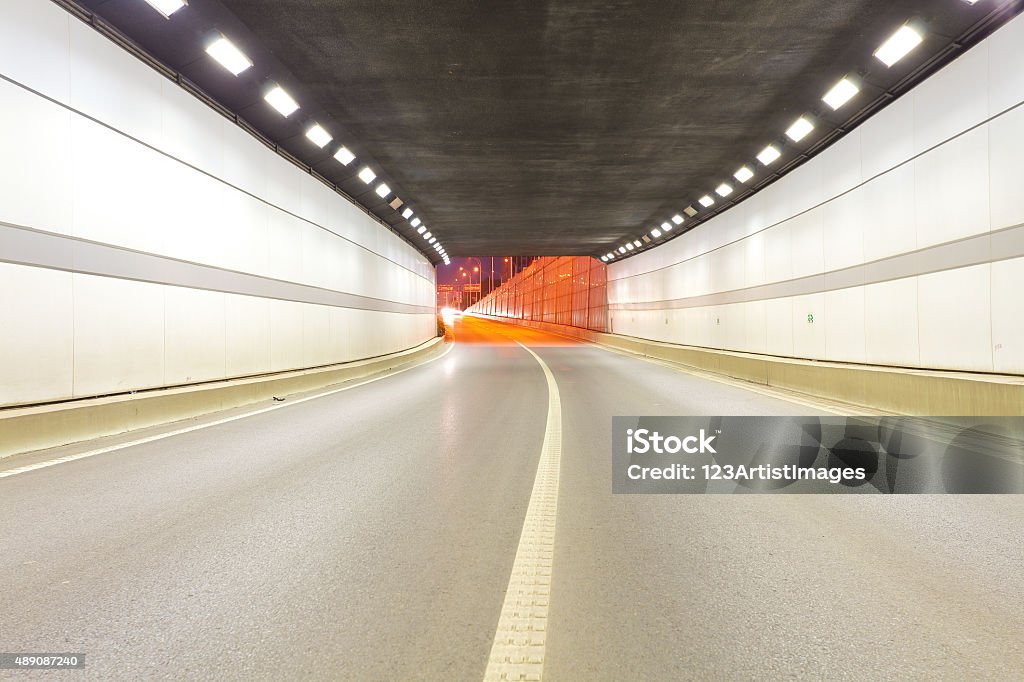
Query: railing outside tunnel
x=566, y=290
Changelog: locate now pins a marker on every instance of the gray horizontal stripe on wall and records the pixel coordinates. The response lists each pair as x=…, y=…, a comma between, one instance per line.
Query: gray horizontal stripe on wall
x=26, y=246
x=983, y=248
x=224, y=182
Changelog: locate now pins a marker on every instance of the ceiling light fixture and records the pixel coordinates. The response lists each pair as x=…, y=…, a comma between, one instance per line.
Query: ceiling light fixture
x=677, y=219
x=799, y=130
x=636, y=243
x=318, y=136
x=166, y=7
x=841, y=93
x=723, y=190
x=427, y=235
x=629, y=247
x=228, y=56
x=383, y=190
x=622, y=249
x=743, y=174
x=898, y=45
x=407, y=213
x=344, y=156
x=768, y=155
x=421, y=229
x=281, y=100
x=415, y=222
x=706, y=201
x=367, y=175
x=666, y=226
x=655, y=233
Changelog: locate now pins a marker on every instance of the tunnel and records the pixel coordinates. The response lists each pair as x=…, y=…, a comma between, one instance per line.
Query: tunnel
x=536, y=339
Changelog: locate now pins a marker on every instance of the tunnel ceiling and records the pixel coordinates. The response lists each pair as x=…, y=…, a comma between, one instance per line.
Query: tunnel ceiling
x=543, y=126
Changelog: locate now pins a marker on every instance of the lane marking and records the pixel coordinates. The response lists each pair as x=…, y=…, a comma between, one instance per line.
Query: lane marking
x=197, y=427
x=521, y=635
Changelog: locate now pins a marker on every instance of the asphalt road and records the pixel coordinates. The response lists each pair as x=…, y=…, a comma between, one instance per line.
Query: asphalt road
x=370, y=534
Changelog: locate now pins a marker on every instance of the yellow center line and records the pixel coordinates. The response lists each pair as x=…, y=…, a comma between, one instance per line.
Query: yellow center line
x=521, y=635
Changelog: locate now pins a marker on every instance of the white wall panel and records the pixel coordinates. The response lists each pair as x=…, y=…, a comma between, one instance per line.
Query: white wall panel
x=119, y=335
x=778, y=253
x=756, y=323
x=890, y=323
x=112, y=171
x=37, y=342
x=286, y=334
x=843, y=229
x=1008, y=316
x=955, y=319
x=110, y=86
x=840, y=166
x=779, y=333
x=189, y=133
x=844, y=325
x=35, y=139
x=952, y=101
x=951, y=189
x=194, y=336
x=31, y=27
x=809, y=336
x=1006, y=149
x=247, y=335
x=1006, y=67
x=316, y=336
x=807, y=244
x=889, y=222
x=887, y=138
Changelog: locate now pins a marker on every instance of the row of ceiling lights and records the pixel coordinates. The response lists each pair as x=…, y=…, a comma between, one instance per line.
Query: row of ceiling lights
x=895, y=48
x=235, y=61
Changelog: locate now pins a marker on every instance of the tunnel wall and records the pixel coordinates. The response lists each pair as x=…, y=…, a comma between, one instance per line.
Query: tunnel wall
x=147, y=241
x=902, y=244
x=560, y=290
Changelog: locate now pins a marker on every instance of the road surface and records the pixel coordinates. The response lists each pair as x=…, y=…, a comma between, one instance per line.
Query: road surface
x=371, y=534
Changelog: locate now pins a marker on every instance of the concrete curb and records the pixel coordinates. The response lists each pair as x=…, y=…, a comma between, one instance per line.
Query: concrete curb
x=23, y=429
x=889, y=389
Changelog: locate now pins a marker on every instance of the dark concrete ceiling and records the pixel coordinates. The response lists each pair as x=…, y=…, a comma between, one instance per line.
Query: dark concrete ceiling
x=544, y=126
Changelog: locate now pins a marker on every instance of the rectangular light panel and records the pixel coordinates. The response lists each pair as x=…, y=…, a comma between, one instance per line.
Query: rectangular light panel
x=743, y=174
x=166, y=7
x=706, y=201
x=768, y=155
x=229, y=56
x=344, y=156
x=799, y=130
x=318, y=136
x=723, y=190
x=282, y=101
x=898, y=45
x=841, y=93
x=367, y=175
x=383, y=190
